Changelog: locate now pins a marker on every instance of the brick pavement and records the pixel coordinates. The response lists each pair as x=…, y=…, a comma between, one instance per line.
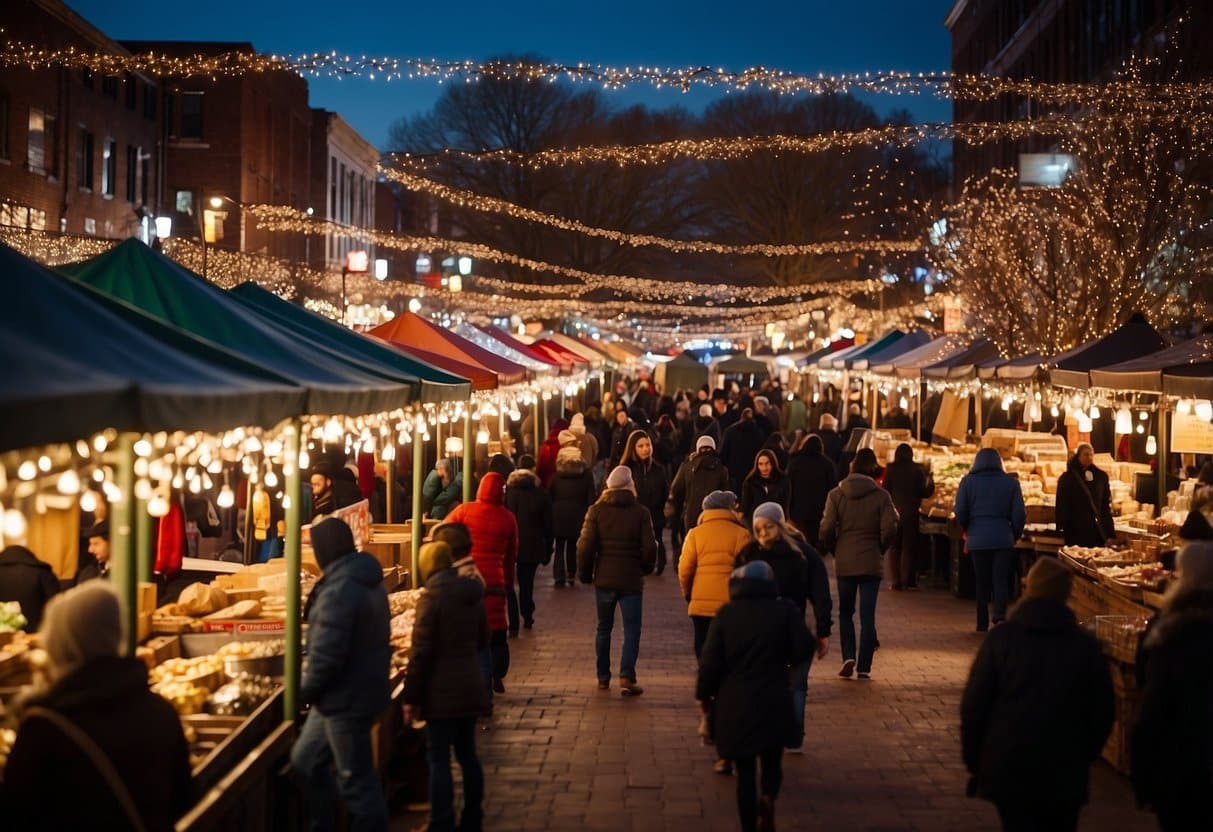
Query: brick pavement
x=880, y=756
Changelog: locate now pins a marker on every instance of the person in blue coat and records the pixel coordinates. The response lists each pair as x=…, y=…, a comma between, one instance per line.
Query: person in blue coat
x=990, y=509
x=345, y=681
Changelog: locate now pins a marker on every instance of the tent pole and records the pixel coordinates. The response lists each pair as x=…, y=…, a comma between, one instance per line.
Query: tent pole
x=122, y=541
x=389, y=479
x=416, y=531
x=248, y=521
x=468, y=453
x=143, y=542
x=293, y=556
x=505, y=448
x=535, y=419
x=1161, y=441
x=922, y=396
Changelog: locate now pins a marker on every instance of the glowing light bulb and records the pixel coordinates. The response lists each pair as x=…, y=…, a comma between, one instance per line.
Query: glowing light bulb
x=286, y=501
x=226, y=498
x=1204, y=410
x=88, y=501
x=1054, y=412
x=14, y=525
x=178, y=480
x=1151, y=445
x=1095, y=411
x=1184, y=406
x=215, y=467
x=482, y=437
x=100, y=443
x=44, y=463
x=82, y=448
x=1124, y=421
x=1143, y=415
x=157, y=506
x=143, y=489
x=195, y=486
x=271, y=479
x=1141, y=428
x=69, y=482
x=27, y=470
x=305, y=460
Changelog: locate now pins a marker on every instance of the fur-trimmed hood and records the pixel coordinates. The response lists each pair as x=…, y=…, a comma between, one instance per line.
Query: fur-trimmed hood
x=522, y=478
x=569, y=461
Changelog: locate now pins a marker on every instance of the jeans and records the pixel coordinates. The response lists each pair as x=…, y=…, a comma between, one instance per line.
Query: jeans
x=526, y=590
x=564, y=563
x=1038, y=818
x=677, y=536
x=700, y=623
x=867, y=586
x=772, y=779
x=905, y=552
x=992, y=568
x=341, y=742
x=440, y=736
x=631, y=604
x=800, y=695
x=659, y=533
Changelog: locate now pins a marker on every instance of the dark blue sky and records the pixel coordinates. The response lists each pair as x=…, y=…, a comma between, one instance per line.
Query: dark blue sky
x=798, y=35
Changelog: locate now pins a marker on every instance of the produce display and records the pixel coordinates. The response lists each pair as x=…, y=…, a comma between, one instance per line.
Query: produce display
x=403, y=607
x=11, y=619
x=7, y=738
x=1150, y=576
x=241, y=696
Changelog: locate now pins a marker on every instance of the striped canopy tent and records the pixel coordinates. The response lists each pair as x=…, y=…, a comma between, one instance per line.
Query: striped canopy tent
x=502, y=337
x=911, y=341
x=411, y=330
x=482, y=339
x=961, y=364
x=847, y=361
x=1132, y=339
x=909, y=364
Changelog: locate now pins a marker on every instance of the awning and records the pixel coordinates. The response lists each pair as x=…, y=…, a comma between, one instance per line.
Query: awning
x=572, y=345
x=862, y=351
x=560, y=353
x=1190, y=362
x=963, y=362
x=480, y=378
x=499, y=334
x=437, y=385
x=827, y=362
x=480, y=338
x=911, y=341
x=682, y=372
x=909, y=364
x=1130, y=340
x=741, y=365
x=411, y=330
x=148, y=280
x=79, y=362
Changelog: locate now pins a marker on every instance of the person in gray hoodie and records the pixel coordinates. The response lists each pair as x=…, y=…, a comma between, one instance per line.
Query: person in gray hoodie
x=861, y=523
x=990, y=509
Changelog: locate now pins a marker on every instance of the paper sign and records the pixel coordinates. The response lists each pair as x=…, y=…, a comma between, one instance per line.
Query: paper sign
x=357, y=516
x=953, y=419
x=1191, y=434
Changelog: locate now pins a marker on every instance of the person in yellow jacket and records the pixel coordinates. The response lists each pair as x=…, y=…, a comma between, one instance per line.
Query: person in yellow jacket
x=707, y=560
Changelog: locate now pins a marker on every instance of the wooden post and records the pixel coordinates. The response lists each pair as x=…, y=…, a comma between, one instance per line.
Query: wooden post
x=293, y=556
x=418, y=478
x=1161, y=468
x=143, y=541
x=122, y=541
x=469, y=452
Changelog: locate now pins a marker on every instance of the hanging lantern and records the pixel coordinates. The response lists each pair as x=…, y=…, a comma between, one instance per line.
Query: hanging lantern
x=1124, y=421
x=1151, y=445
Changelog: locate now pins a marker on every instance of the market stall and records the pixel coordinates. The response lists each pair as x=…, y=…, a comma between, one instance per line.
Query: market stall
x=682, y=372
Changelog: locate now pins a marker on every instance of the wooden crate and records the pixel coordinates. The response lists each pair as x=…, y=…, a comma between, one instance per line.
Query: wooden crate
x=1124, y=686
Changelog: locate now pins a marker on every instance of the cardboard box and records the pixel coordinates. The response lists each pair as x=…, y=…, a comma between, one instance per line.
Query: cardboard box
x=143, y=627
x=145, y=598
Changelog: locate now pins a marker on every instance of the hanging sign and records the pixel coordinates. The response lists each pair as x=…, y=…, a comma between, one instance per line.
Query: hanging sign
x=1191, y=434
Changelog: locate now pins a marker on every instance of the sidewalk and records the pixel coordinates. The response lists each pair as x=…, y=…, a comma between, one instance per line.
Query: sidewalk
x=880, y=756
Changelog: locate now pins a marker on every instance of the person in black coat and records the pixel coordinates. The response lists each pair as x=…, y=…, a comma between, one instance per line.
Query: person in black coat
x=1038, y=700
x=831, y=440
x=28, y=581
x=766, y=483
x=572, y=491
x=740, y=445
x=698, y=477
x=1084, y=501
x=1172, y=741
x=743, y=680
x=811, y=477
x=652, y=485
x=532, y=508
x=443, y=684
x=908, y=485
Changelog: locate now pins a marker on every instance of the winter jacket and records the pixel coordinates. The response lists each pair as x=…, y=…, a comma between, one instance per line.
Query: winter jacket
x=708, y=552
x=532, y=509
x=572, y=492
x=652, y=490
x=439, y=499
x=908, y=485
x=989, y=504
x=755, y=491
x=1172, y=742
x=698, y=477
x=796, y=416
x=494, y=544
x=345, y=488
x=1084, y=507
x=451, y=628
x=401, y=508
x=753, y=641
x=588, y=444
x=1036, y=709
x=801, y=577
x=617, y=547
x=28, y=581
x=49, y=783
x=545, y=464
x=860, y=519
x=348, y=627
x=811, y=476
x=740, y=445
x=619, y=441
x=833, y=443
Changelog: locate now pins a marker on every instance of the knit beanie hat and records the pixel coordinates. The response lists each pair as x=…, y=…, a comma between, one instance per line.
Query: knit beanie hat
x=719, y=499
x=827, y=422
x=755, y=570
x=80, y=625
x=577, y=424
x=1195, y=565
x=433, y=558
x=772, y=512
x=705, y=441
x=567, y=437
x=705, y=411
x=1048, y=578
x=331, y=539
x=500, y=464
x=455, y=535
x=621, y=477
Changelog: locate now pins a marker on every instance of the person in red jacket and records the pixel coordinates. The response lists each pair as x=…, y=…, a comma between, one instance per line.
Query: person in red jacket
x=494, y=534
x=545, y=465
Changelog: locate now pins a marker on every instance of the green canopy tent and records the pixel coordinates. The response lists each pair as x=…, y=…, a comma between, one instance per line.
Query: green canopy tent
x=682, y=372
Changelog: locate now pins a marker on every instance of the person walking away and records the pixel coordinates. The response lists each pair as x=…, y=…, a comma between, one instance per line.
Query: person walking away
x=28, y=581
x=743, y=679
x=832, y=442
x=503, y=465
x=95, y=748
x=1038, y=701
x=652, y=485
x=546, y=458
x=908, y=485
x=621, y=429
x=443, y=687
x=1172, y=741
x=811, y=476
x=741, y=443
x=990, y=510
x=615, y=551
x=797, y=416
x=572, y=492
x=698, y=477
x=766, y=483
x=861, y=522
x=586, y=440
x=345, y=681
x=1084, y=501
x=532, y=509
x=494, y=534
x=802, y=579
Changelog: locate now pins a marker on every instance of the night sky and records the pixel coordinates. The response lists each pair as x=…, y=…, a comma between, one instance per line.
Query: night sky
x=798, y=35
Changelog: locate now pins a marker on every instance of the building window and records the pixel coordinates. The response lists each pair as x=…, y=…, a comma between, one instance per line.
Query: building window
x=191, y=115
x=150, y=91
x=132, y=173
x=332, y=213
x=132, y=92
x=3, y=126
x=84, y=160
x=183, y=202
x=339, y=214
x=145, y=177
x=90, y=225
x=109, y=87
x=37, y=219
x=109, y=167
x=40, y=152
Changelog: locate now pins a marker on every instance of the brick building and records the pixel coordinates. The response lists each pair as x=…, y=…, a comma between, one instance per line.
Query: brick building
x=1064, y=41
x=344, y=170
x=78, y=153
x=243, y=140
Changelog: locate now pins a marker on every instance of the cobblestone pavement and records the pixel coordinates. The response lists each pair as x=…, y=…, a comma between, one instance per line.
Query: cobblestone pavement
x=880, y=756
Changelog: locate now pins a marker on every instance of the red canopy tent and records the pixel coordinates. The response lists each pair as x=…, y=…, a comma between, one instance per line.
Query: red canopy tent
x=411, y=331
x=499, y=334
x=561, y=353
x=481, y=378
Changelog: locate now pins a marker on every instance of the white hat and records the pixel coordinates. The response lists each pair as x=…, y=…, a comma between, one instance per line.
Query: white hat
x=705, y=411
x=705, y=441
